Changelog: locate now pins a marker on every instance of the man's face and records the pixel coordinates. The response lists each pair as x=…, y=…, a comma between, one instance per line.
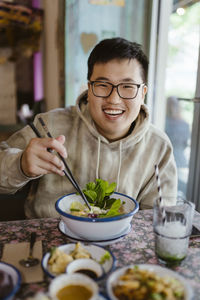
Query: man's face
x=113, y=115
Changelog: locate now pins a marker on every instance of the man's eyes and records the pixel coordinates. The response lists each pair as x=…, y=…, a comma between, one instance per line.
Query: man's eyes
x=99, y=84
x=128, y=86
x=123, y=86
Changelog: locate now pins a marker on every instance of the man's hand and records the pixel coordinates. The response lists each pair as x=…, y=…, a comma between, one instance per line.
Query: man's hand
x=36, y=160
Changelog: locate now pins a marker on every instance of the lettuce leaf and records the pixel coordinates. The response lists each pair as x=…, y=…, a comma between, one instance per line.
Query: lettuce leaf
x=98, y=194
x=114, y=210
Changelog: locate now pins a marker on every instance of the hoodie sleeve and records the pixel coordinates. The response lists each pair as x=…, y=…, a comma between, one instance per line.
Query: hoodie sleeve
x=11, y=176
x=168, y=179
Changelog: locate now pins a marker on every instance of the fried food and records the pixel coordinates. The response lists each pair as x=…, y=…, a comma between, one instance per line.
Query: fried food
x=59, y=259
x=80, y=252
x=139, y=284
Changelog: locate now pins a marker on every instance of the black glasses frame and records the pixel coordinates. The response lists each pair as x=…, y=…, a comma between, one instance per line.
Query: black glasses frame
x=115, y=86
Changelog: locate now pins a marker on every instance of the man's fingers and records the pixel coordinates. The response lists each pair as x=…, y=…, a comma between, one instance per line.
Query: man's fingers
x=36, y=160
x=47, y=167
x=57, y=145
x=41, y=165
x=61, y=139
x=51, y=158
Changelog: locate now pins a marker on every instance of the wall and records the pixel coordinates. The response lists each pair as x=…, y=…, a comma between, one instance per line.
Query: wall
x=12, y=205
x=51, y=54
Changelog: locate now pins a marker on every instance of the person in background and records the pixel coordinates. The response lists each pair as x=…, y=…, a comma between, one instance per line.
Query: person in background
x=106, y=135
x=178, y=131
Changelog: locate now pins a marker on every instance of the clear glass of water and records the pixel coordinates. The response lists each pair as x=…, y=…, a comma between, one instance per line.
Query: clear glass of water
x=172, y=229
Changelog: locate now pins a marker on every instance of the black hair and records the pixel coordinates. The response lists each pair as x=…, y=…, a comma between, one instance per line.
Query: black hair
x=117, y=48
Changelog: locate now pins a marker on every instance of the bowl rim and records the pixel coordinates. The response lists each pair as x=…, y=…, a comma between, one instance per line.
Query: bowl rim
x=19, y=279
x=80, y=260
x=69, y=279
x=105, y=274
x=97, y=220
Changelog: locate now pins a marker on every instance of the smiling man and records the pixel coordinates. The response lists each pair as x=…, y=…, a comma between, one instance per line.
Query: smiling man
x=116, y=92
x=107, y=135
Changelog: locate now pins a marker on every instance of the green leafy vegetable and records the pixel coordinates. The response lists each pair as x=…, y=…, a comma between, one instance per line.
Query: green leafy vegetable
x=98, y=194
x=104, y=257
x=52, y=250
x=91, y=195
x=114, y=210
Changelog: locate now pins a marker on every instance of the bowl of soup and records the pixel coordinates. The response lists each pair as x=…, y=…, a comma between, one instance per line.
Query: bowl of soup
x=97, y=224
x=73, y=287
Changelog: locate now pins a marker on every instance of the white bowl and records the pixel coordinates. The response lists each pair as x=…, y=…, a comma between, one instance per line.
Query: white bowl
x=73, y=279
x=94, y=229
x=160, y=271
x=15, y=277
x=87, y=266
x=97, y=252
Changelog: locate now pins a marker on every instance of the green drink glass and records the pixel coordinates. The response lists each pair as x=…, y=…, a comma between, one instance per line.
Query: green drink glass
x=172, y=229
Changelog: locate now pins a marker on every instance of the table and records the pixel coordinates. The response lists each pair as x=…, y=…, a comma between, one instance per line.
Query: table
x=135, y=248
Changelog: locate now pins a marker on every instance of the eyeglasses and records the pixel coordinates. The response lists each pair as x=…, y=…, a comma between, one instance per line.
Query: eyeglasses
x=104, y=89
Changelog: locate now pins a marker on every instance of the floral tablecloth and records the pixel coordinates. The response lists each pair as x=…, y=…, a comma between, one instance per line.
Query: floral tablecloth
x=137, y=247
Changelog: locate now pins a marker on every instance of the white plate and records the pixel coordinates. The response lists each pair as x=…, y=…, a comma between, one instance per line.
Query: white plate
x=160, y=271
x=96, y=252
x=73, y=237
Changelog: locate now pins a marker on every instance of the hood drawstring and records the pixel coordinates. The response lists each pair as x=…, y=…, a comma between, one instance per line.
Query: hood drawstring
x=98, y=157
x=120, y=161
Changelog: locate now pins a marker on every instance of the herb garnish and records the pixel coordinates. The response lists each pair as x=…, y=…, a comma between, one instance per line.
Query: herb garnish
x=98, y=194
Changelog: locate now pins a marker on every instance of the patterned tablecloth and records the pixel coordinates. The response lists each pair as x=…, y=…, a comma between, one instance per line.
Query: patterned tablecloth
x=135, y=248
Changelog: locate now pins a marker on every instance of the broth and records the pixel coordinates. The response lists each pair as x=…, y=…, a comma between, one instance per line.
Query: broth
x=74, y=292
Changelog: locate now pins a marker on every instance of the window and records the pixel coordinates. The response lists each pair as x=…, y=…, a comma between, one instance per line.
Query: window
x=88, y=22
x=180, y=84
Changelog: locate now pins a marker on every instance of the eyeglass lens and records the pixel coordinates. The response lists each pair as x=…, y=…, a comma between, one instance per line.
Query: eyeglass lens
x=125, y=90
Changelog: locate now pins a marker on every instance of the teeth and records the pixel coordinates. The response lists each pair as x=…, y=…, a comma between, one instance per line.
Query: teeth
x=113, y=112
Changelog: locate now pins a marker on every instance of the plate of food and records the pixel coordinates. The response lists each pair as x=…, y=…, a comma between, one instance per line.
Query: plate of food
x=146, y=281
x=55, y=261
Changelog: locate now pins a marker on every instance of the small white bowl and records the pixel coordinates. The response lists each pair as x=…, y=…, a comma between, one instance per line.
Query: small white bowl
x=160, y=271
x=72, y=279
x=87, y=266
x=94, y=229
x=97, y=252
x=15, y=277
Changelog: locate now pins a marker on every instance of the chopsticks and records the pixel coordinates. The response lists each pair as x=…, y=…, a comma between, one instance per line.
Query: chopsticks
x=69, y=174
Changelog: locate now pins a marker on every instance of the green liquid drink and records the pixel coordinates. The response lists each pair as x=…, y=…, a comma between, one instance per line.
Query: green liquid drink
x=171, y=243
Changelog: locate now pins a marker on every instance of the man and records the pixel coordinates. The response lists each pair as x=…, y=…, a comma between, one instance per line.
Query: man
x=107, y=135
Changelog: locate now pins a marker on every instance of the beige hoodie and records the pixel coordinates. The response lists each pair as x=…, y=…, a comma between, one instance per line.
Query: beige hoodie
x=129, y=162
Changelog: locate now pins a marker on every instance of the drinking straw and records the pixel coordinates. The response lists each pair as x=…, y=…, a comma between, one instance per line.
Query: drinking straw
x=160, y=202
x=69, y=176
